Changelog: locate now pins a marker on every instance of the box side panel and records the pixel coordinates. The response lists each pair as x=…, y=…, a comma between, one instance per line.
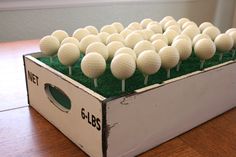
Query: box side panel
x=82, y=123
x=139, y=122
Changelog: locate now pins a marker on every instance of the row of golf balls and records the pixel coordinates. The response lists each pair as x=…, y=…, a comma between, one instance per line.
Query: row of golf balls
x=141, y=44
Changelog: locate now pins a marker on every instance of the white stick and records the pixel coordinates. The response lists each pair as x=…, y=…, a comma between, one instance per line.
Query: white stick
x=233, y=54
x=145, y=79
x=221, y=57
x=168, y=73
x=123, y=85
x=202, y=64
x=51, y=58
x=178, y=66
x=95, y=81
x=70, y=70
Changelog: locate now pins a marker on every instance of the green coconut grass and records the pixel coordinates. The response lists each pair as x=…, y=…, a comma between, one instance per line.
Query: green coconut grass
x=109, y=86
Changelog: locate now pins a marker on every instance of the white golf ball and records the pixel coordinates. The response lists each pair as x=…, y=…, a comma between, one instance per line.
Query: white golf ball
x=123, y=66
x=126, y=32
x=204, y=25
x=99, y=48
x=170, y=23
x=93, y=65
x=80, y=33
x=165, y=20
x=204, y=49
x=159, y=36
x=49, y=45
x=155, y=27
x=132, y=39
x=115, y=37
x=68, y=54
x=159, y=44
x=212, y=32
x=233, y=36
x=230, y=30
x=183, y=20
x=103, y=36
x=126, y=50
x=142, y=46
x=191, y=31
x=175, y=28
x=70, y=40
x=184, y=48
x=198, y=37
x=88, y=40
x=109, y=29
x=183, y=36
x=148, y=62
x=145, y=22
x=60, y=35
x=135, y=26
x=113, y=47
x=169, y=57
x=224, y=42
x=119, y=27
x=92, y=29
x=170, y=35
x=189, y=23
x=147, y=34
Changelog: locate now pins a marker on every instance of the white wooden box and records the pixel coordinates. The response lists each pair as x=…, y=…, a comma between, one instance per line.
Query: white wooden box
x=129, y=125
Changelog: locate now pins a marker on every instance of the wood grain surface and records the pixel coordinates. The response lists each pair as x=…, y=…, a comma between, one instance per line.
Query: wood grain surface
x=25, y=133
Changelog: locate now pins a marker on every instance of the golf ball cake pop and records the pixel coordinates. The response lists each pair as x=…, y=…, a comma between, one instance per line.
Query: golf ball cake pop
x=189, y=23
x=233, y=36
x=92, y=29
x=93, y=65
x=147, y=34
x=169, y=58
x=155, y=27
x=143, y=45
x=230, y=30
x=113, y=47
x=122, y=67
x=204, y=25
x=68, y=54
x=49, y=46
x=170, y=23
x=159, y=36
x=80, y=33
x=148, y=62
x=126, y=32
x=182, y=21
x=119, y=26
x=86, y=41
x=224, y=43
x=175, y=28
x=191, y=31
x=60, y=35
x=144, y=23
x=126, y=50
x=115, y=37
x=103, y=37
x=212, y=32
x=183, y=36
x=135, y=26
x=204, y=49
x=184, y=48
x=198, y=37
x=159, y=44
x=132, y=39
x=70, y=40
x=109, y=29
x=99, y=48
x=170, y=35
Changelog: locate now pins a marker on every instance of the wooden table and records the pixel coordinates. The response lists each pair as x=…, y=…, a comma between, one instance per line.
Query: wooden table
x=25, y=133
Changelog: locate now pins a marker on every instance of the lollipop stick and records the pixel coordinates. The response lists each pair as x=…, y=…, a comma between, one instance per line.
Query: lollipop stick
x=168, y=73
x=221, y=57
x=202, y=64
x=178, y=66
x=51, y=59
x=123, y=85
x=145, y=79
x=95, y=81
x=70, y=70
x=233, y=54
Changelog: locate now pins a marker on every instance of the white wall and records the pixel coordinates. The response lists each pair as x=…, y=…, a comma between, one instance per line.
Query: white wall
x=25, y=23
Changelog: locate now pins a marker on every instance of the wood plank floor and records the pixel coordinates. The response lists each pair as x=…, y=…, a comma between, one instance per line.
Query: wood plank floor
x=23, y=132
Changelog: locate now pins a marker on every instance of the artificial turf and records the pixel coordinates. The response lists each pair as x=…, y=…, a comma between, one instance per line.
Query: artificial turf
x=109, y=86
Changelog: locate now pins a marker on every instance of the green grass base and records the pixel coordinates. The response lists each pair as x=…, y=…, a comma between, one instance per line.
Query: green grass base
x=109, y=86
